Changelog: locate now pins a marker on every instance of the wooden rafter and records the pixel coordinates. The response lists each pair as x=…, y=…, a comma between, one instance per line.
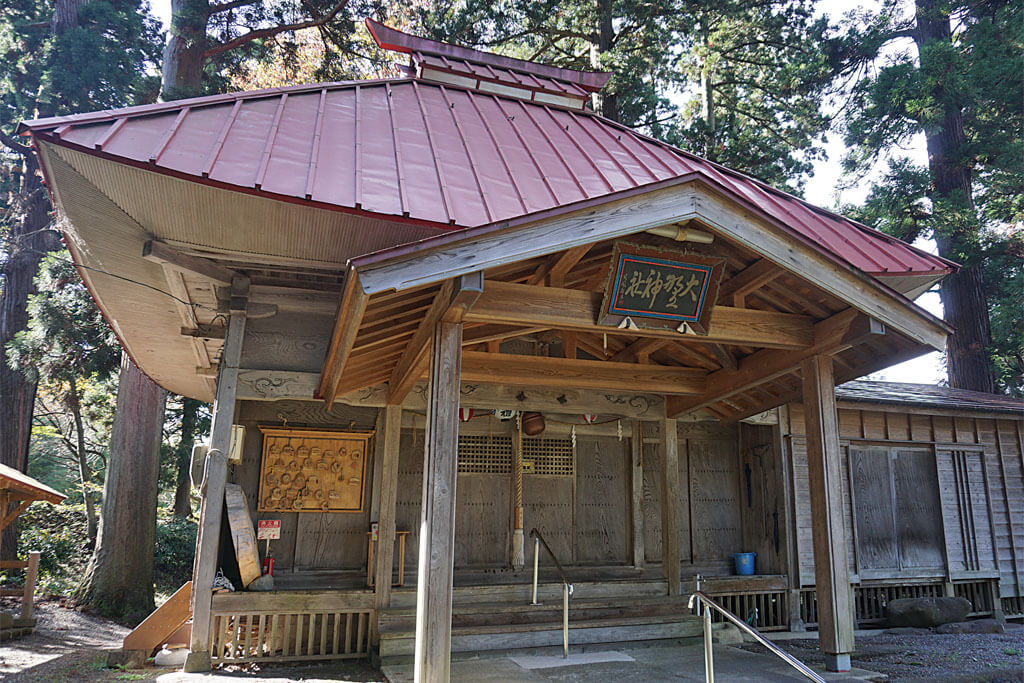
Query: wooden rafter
x=350, y=316
x=507, y=303
x=830, y=336
x=748, y=280
x=413, y=362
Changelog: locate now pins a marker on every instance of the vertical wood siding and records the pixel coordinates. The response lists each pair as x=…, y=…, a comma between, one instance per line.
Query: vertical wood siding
x=979, y=478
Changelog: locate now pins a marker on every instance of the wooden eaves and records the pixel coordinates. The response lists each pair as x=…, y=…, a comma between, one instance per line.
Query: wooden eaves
x=750, y=348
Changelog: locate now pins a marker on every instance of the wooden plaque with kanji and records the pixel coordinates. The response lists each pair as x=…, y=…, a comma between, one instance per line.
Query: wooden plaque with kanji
x=305, y=470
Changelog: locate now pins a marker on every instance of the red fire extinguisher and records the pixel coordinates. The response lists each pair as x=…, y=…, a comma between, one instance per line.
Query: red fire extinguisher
x=268, y=563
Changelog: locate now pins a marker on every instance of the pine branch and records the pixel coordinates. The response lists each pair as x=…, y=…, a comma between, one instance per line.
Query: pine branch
x=256, y=34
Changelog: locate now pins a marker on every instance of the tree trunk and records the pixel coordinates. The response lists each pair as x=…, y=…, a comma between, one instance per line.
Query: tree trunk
x=84, y=471
x=182, y=74
x=182, y=494
x=119, y=579
x=607, y=100
x=27, y=241
x=963, y=295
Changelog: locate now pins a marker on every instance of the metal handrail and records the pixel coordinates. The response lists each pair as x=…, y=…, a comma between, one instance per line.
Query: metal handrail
x=567, y=587
x=709, y=666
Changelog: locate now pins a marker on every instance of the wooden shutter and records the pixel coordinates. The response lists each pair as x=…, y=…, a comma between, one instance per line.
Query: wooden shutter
x=965, y=513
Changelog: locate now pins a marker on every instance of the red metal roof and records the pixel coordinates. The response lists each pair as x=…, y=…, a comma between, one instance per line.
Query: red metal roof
x=435, y=154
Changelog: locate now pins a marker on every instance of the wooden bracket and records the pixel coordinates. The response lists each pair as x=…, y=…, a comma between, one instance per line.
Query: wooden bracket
x=203, y=331
x=158, y=252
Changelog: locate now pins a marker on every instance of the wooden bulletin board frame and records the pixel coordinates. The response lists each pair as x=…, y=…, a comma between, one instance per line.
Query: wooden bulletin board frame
x=312, y=470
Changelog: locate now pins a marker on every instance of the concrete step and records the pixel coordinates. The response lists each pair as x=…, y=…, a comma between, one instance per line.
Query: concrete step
x=396, y=645
x=548, y=591
x=496, y=613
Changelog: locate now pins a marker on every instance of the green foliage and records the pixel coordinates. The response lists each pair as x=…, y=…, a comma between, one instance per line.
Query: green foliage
x=174, y=552
x=58, y=532
x=1004, y=280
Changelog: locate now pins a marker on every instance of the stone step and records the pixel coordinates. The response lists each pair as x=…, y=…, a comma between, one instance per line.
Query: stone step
x=515, y=636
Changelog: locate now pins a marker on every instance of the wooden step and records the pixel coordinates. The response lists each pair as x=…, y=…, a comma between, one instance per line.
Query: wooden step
x=515, y=636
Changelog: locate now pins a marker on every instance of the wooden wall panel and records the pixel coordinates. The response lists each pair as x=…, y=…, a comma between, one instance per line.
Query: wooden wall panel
x=602, y=502
x=410, y=493
x=652, y=506
x=309, y=540
x=969, y=538
x=1010, y=445
x=874, y=425
x=763, y=514
x=921, y=428
x=714, y=499
x=331, y=540
x=919, y=535
x=482, y=520
x=548, y=506
x=872, y=493
x=897, y=426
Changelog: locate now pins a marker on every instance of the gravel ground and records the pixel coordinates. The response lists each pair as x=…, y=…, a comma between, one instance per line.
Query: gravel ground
x=964, y=658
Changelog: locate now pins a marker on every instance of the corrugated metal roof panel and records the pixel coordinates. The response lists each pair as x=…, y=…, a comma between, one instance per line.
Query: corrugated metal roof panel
x=436, y=154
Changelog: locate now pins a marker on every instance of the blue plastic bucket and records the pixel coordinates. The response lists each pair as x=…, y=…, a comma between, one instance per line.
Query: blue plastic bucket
x=744, y=563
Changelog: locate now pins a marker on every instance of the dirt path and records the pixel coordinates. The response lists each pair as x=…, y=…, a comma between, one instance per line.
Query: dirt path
x=66, y=646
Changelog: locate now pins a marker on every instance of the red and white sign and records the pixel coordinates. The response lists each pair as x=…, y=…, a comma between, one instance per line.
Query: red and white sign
x=268, y=529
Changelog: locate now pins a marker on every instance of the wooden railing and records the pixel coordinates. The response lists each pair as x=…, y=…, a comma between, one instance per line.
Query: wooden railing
x=26, y=592
x=290, y=626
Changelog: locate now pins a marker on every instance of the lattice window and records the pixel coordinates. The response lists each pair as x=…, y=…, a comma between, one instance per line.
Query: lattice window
x=548, y=457
x=485, y=454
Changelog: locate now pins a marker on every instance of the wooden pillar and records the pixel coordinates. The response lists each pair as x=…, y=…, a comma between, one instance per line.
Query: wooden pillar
x=831, y=569
x=636, y=444
x=437, y=523
x=390, y=437
x=215, y=478
x=670, y=505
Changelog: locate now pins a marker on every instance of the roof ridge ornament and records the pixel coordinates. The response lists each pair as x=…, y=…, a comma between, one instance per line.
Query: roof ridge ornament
x=438, y=62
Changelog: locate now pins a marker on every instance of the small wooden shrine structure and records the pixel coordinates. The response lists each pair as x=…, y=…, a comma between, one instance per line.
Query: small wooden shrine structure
x=382, y=283
x=17, y=492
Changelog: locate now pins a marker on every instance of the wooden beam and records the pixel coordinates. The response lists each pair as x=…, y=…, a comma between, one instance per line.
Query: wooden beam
x=158, y=252
x=509, y=303
x=825, y=478
x=569, y=344
x=203, y=331
x=842, y=375
x=556, y=266
x=670, y=568
x=835, y=334
x=751, y=278
x=391, y=438
x=540, y=371
x=644, y=345
x=467, y=290
x=437, y=521
x=496, y=333
x=350, y=315
x=724, y=357
x=13, y=514
x=693, y=198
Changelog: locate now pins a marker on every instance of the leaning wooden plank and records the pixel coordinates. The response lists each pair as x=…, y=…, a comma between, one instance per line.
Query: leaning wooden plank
x=159, y=626
x=242, y=534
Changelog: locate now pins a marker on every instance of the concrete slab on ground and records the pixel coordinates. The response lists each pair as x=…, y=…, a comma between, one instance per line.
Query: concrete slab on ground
x=671, y=663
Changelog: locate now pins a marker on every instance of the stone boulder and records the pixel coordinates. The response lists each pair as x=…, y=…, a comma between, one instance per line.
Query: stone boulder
x=976, y=626
x=927, y=612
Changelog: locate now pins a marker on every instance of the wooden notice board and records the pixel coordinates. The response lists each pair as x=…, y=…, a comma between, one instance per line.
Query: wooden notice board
x=307, y=470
